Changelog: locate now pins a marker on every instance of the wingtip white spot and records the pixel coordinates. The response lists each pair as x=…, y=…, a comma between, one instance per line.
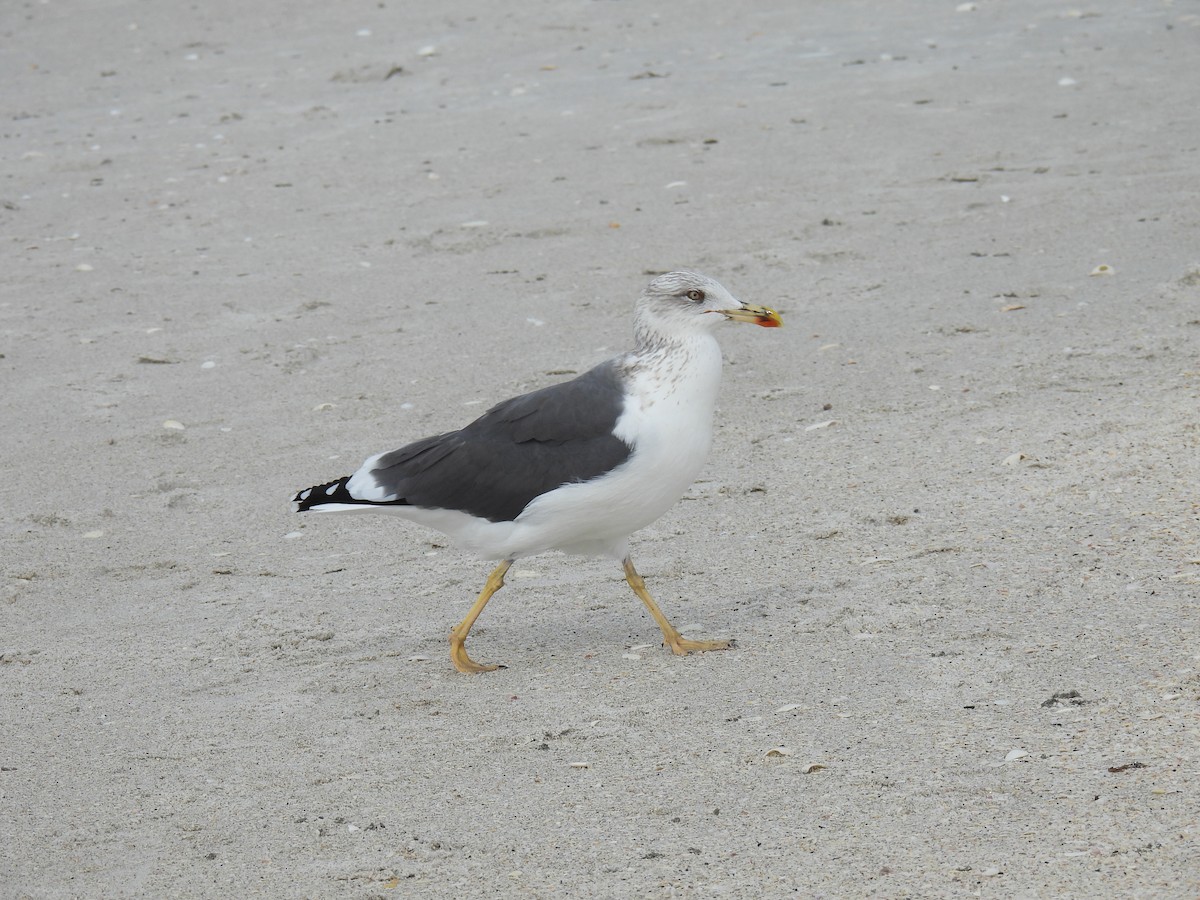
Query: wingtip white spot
x=304, y=494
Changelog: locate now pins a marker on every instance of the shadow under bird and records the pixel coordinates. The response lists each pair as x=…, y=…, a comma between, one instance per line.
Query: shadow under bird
x=577, y=466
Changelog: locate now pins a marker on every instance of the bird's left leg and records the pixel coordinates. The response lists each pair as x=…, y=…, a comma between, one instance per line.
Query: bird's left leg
x=458, y=637
x=679, y=645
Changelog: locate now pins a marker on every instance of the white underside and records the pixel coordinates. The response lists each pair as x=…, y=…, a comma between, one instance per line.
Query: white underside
x=667, y=421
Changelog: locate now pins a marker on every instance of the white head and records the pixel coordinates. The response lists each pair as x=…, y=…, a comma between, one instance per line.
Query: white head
x=682, y=303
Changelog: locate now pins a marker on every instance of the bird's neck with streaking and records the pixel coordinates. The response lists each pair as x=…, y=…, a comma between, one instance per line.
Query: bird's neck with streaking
x=686, y=368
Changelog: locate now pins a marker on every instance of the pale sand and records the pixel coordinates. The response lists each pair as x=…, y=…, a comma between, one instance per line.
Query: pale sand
x=203, y=695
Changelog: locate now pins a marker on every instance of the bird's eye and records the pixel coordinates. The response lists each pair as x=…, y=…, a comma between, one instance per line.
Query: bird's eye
x=696, y=296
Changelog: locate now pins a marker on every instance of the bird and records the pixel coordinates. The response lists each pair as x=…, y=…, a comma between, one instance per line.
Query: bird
x=577, y=466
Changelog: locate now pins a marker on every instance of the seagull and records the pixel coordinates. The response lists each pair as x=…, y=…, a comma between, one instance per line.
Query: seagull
x=578, y=466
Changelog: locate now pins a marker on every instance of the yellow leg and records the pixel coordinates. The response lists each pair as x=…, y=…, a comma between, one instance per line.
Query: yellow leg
x=458, y=637
x=679, y=645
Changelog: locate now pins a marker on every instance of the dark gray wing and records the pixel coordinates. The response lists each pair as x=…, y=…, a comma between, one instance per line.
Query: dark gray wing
x=514, y=452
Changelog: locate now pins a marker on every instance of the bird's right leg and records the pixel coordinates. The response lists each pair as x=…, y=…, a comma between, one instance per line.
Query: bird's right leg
x=458, y=637
x=679, y=645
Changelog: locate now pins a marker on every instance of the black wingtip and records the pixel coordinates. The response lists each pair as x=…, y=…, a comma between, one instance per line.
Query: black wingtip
x=319, y=495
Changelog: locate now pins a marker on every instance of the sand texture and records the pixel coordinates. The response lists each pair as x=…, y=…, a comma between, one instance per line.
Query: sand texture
x=951, y=516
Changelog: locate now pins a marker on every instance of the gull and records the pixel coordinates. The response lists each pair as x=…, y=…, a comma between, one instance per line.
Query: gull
x=578, y=466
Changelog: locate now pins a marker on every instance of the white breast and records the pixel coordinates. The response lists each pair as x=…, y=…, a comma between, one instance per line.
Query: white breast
x=668, y=422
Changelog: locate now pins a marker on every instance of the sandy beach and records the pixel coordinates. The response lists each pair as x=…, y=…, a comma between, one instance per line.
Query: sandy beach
x=951, y=516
